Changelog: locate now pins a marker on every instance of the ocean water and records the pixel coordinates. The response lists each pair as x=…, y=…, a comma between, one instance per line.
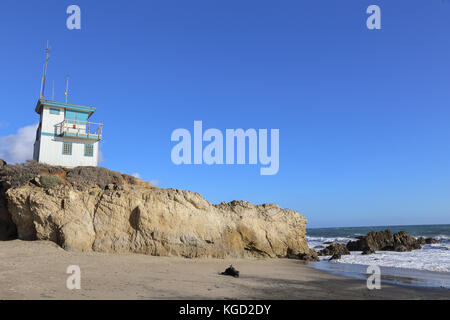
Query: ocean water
x=441, y=231
x=429, y=266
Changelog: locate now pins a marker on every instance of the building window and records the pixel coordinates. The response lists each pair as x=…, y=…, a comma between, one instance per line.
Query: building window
x=54, y=111
x=67, y=148
x=88, y=150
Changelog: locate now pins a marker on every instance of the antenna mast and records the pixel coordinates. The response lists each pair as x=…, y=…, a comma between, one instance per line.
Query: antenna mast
x=47, y=56
x=67, y=88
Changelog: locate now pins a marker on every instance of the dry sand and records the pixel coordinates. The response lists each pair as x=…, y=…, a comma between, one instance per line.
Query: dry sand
x=37, y=270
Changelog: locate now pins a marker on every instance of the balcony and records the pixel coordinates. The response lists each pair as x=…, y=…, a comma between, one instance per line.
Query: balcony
x=80, y=129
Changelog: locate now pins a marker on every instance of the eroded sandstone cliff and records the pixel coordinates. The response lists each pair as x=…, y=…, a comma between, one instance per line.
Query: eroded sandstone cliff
x=95, y=209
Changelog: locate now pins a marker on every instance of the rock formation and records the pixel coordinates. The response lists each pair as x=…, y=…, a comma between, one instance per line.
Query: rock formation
x=368, y=251
x=384, y=241
x=335, y=249
x=95, y=209
x=423, y=240
x=335, y=256
x=309, y=256
x=377, y=241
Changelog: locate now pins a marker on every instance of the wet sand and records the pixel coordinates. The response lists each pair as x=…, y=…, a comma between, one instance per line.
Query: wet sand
x=37, y=270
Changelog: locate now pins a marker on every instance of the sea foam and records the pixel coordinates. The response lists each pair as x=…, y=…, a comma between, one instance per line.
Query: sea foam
x=432, y=257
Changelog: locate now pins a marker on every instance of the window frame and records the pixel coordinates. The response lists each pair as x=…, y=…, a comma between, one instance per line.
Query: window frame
x=63, y=148
x=86, y=145
x=55, y=111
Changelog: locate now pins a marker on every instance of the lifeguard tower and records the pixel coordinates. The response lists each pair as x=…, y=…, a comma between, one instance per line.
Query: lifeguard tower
x=64, y=136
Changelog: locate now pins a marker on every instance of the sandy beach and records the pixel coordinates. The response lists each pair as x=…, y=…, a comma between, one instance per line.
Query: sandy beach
x=37, y=270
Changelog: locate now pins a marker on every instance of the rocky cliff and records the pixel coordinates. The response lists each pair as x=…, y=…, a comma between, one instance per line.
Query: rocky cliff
x=95, y=209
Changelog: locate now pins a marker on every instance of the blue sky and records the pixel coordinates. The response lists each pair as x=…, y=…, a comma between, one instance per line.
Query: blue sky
x=363, y=114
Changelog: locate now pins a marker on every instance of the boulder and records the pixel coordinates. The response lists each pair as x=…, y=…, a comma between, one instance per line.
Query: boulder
x=402, y=241
x=385, y=241
x=368, y=251
x=311, y=256
x=401, y=248
x=372, y=241
x=335, y=248
x=335, y=256
x=424, y=241
x=7, y=227
x=431, y=241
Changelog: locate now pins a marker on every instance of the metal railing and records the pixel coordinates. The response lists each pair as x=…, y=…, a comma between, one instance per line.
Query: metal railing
x=82, y=129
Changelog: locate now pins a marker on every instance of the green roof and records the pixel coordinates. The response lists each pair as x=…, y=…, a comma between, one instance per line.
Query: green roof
x=41, y=103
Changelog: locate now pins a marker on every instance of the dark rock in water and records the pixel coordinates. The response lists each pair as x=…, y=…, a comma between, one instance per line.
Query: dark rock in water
x=401, y=248
x=368, y=251
x=402, y=238
x=423, y=240
x=319, y=247
x=385, y=241
x=431, y=241
x=335, y=256
x=373, y=240
x=335, y=248
x=328, y=242
x=231, y=271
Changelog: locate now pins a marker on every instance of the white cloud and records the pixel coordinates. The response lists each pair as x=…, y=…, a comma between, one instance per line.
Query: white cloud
x=136, y=175
x=18, y=147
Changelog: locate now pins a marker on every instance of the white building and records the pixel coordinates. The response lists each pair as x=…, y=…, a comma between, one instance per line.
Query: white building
x=64, y=136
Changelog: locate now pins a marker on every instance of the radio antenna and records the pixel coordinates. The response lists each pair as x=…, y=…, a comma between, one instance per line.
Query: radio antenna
x=47, y=57
x=67, y=88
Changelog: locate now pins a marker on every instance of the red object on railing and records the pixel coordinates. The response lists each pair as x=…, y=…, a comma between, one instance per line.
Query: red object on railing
x=84, y=128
